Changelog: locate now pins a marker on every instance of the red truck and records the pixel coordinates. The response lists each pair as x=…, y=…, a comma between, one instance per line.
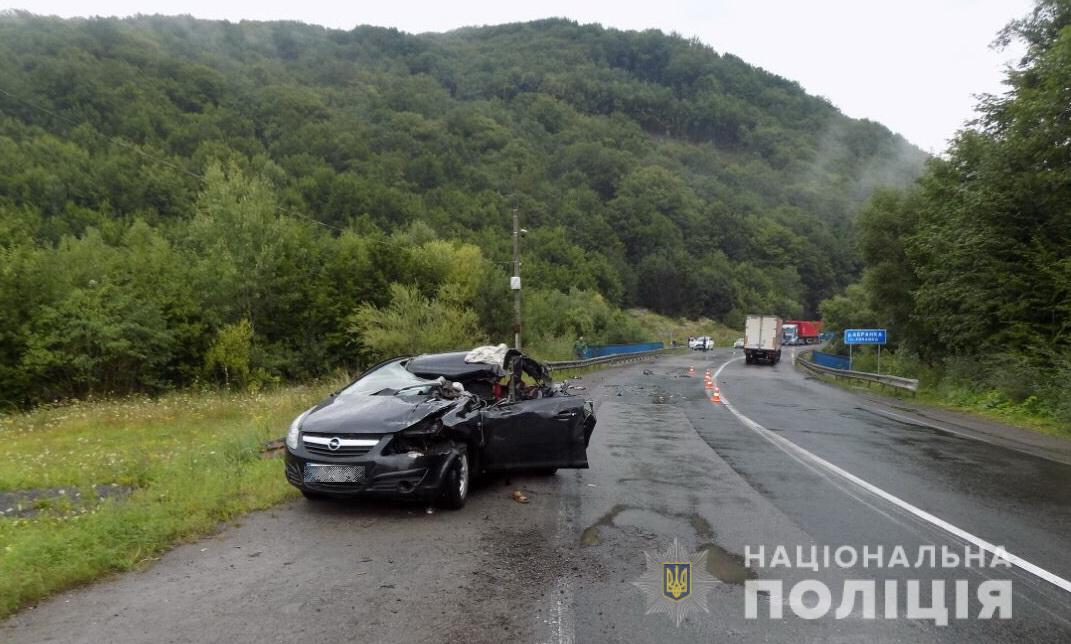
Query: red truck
x=801, y=331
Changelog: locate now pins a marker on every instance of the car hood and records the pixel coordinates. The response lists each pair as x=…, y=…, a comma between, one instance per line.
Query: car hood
x=362, y=414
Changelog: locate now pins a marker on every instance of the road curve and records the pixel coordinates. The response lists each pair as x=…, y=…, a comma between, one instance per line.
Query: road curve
x=666, y=463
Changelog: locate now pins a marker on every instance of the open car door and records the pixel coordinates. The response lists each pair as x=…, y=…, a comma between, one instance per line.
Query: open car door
x=541, y=433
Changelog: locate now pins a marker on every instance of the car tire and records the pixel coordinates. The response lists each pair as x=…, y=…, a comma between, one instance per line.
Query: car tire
x=313, y=496
x=456, y=483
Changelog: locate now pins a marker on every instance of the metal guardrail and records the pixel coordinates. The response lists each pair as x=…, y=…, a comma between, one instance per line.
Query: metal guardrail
x=617, y=358
x=908, y=384
x=601, y=350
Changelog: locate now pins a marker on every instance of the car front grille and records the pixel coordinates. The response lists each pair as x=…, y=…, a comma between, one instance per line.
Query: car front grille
x=335, y=446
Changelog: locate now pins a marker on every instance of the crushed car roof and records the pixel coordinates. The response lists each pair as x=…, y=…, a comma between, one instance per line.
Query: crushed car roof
x=451, y=365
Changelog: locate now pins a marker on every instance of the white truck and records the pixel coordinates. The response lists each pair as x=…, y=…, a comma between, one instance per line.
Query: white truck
x=762, y=339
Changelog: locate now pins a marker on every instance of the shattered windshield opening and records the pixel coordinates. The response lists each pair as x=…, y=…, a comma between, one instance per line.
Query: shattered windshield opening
x=393, y=376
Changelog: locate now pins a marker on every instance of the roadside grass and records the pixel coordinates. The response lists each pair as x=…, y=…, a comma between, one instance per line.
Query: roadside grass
x=994, y=406
x=680, y=329
x=183, y=463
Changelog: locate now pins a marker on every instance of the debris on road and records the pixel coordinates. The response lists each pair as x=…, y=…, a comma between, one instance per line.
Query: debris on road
x=519, y=497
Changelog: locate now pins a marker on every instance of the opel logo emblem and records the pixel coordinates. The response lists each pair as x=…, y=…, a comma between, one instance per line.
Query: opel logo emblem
x=333, y=445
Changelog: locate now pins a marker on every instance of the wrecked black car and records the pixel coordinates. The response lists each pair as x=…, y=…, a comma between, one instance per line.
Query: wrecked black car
x=424, y=427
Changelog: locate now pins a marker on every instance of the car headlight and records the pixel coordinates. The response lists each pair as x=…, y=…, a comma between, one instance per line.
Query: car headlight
x=423, y=430
x=295, y=429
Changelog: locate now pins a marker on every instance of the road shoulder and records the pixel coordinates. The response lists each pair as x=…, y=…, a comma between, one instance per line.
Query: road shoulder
x=910, y=412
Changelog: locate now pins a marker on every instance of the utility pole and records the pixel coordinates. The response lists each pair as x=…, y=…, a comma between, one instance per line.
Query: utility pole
x=515, y=281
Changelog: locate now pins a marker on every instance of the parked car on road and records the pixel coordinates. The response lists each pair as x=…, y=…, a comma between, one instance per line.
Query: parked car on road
x=425, y=426
x=739, y=344
x=702, y=343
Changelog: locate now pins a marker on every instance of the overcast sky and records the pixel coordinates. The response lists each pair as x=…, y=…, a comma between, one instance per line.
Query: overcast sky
x=913, y=65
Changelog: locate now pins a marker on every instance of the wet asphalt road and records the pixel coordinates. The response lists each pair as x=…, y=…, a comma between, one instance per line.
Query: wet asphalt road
x=666, y=463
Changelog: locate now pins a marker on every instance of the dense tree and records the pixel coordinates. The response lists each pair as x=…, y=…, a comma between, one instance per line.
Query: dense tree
x=971, y=267
x=413, y=323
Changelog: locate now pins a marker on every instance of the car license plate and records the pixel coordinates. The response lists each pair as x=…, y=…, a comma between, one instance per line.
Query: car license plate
x=333, y=473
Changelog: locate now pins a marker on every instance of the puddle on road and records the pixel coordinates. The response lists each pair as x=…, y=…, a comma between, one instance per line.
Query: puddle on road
x=648, y=481
x=590, y=536
x=726, y=566
x=702, y=527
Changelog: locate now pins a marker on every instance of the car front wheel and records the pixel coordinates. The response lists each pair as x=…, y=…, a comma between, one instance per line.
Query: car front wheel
x=455, y=489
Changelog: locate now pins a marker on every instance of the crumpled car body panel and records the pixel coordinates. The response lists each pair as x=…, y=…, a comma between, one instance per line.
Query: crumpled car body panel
x=371, y=414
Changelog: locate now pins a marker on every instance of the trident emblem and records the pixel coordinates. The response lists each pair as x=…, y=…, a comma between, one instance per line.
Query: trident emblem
x=678, y=579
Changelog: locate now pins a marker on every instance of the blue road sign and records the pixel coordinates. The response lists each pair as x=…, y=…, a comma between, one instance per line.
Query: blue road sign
x=864, y=336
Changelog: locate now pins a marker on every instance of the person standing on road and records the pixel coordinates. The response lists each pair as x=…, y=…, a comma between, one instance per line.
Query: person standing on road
x=580, y=348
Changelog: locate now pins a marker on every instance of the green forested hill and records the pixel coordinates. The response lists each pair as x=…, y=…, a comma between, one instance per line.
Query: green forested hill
x=175, y=193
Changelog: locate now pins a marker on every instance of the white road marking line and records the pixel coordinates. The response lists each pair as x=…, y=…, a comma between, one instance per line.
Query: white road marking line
x=560, y=619
x=561, y=614
x=801, y=454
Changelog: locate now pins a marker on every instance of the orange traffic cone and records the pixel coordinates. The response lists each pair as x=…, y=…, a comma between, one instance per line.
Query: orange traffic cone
x=715, y=396
x=691, y=370
x=709, y=384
